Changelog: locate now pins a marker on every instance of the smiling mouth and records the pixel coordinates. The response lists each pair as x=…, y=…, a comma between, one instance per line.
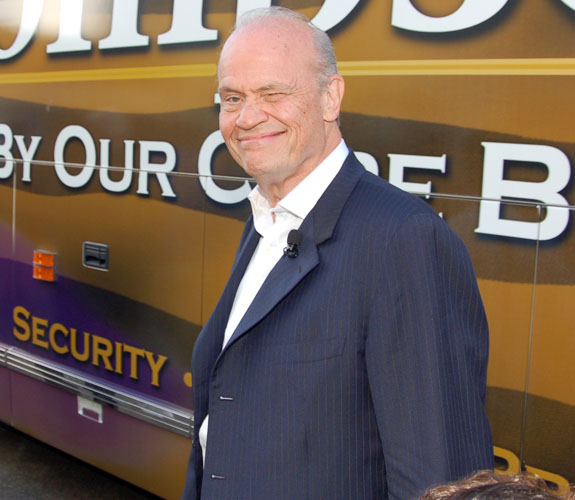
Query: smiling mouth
x=257, y=140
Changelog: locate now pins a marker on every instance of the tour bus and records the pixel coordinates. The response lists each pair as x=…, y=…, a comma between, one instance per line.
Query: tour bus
x=121, y=209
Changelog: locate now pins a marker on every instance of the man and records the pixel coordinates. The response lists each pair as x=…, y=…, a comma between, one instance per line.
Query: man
x=351, y=366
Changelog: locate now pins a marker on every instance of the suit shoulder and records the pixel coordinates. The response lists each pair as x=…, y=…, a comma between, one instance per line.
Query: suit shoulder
x=377, y=196
x=386, y=213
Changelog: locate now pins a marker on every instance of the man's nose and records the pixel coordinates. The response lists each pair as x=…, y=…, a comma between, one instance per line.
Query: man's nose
x=251, y=114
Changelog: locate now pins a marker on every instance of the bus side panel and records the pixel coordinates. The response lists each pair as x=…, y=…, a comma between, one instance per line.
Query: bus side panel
x=131, y=326
x=138, y=452
x=131, y=323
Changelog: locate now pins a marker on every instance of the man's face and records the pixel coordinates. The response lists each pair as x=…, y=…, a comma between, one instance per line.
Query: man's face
x=272, y=111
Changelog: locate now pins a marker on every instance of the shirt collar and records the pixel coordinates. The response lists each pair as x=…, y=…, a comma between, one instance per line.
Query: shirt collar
x=301, y=199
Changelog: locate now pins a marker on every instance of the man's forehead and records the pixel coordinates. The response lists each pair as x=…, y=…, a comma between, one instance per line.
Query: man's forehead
x=263, y=66
x=273, y=34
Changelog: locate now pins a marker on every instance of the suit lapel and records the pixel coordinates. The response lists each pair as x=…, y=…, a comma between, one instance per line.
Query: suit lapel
x=316, y=229
x=285, y=275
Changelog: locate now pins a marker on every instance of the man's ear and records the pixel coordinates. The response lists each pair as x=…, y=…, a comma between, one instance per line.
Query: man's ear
x=333, y=98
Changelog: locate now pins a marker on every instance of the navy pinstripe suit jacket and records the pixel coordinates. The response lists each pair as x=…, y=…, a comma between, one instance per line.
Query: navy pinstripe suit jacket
x=359, y=370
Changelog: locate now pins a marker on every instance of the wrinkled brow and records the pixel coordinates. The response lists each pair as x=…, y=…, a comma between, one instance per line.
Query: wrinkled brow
x=282, y=87
x=272, y=86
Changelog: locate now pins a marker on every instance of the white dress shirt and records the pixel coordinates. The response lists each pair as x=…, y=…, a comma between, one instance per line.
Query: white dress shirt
x=289, y=214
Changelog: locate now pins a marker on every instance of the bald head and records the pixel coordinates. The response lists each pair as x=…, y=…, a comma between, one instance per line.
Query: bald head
x=318, y=44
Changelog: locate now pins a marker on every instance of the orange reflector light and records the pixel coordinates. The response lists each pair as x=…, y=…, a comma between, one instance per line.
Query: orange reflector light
x=44, y=273
x=44, y=258
x=44, y=265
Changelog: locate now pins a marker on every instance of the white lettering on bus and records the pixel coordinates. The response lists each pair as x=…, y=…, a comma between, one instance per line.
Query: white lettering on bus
x=187, y=22
x=496, y=187
x=70, y=33
x=124, y=183
x=124, y=32
x=186, y=25
x=81, y=178
x=27, y=154
x=5, y=151
x=31, y=12
x=496, y=190
x=399, y=163
x=148, y=149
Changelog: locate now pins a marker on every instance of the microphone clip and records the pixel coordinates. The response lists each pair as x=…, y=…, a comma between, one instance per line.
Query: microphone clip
x=291, y=251
x=293, y=242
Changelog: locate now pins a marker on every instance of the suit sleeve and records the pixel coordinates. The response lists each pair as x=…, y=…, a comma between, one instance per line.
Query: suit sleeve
x=193, y=486
x=426, y=356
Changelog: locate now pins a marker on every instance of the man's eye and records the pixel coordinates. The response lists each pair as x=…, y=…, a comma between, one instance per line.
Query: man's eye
x=230, y=103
